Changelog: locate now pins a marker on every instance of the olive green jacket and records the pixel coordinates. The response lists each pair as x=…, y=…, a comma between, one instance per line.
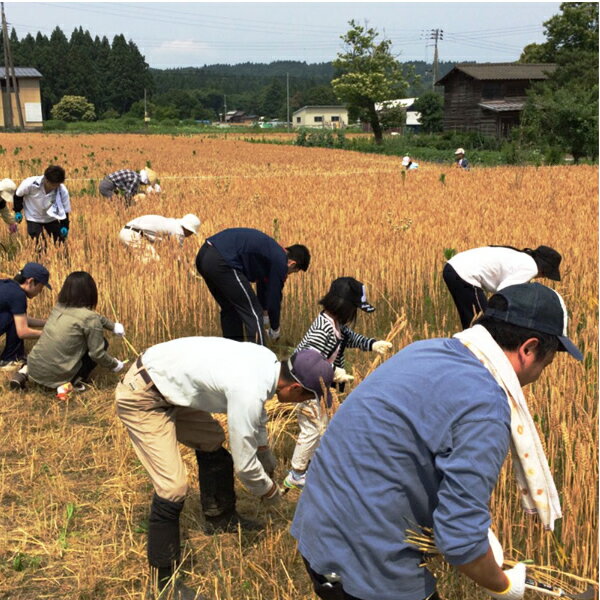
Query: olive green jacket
x=68, y=334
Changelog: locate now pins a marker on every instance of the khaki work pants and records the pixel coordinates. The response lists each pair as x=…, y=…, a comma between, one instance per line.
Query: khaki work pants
x=144, y=248
x=155, y=427
x=312, y=421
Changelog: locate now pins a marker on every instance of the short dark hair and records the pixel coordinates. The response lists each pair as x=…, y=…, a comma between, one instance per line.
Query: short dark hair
x=300, y=254
x=55, y=174
x=510, y=337
x=343, y=310
x=79, y=290
x=285, y=373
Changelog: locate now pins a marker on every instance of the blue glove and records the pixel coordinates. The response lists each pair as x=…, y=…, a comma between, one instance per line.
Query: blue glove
x=18, y=217
x=63, y=232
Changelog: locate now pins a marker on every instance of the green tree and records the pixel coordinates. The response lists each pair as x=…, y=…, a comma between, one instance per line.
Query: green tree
x=392, y=117
x=74, y=108
x=563, y=110
x=431, y=107
x=368, y=73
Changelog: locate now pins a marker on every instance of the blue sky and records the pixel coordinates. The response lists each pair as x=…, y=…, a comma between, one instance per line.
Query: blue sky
x=179, y=34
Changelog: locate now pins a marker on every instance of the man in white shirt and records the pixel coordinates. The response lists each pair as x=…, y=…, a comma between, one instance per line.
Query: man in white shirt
x=45, y=203
x=141, y=233
x=168, y=395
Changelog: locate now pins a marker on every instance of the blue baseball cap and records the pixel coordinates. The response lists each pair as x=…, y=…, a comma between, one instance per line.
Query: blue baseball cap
x=312, y=372
x=537, y=307
x=38, y=272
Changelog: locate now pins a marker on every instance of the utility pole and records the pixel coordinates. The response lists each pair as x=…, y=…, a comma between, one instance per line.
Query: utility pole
x=435, y=35
x=8, y=115
x=146, y=117
x=287, y=78
x=224, y=108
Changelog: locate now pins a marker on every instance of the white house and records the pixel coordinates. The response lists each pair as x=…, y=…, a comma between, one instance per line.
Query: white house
x=331, y=117
x=413, y=118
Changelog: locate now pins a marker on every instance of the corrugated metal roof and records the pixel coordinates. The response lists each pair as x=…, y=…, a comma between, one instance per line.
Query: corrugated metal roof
x=319, y=106
x=22, y=72
x=495, y=71
x=502, y=105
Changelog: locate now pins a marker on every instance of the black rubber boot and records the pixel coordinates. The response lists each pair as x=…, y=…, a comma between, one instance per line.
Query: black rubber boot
x=217, y=494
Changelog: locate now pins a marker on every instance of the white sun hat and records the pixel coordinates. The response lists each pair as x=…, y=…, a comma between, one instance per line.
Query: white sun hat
x=191, y=223
x=460, y=151
x=7, y=188
x=405, y=161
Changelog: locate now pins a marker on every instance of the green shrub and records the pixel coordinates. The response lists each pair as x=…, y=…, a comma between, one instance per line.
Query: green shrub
x=55, y=125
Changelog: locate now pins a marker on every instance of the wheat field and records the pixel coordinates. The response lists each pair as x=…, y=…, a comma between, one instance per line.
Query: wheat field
x=75, y=499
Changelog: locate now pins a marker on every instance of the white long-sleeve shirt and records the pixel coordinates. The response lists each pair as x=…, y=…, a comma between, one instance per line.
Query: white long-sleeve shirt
x=493, y=268
x=37, y=202
x=218, y=375
x=155, y=227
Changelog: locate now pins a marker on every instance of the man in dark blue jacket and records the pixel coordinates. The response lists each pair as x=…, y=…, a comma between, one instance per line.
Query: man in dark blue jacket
x=230, y=261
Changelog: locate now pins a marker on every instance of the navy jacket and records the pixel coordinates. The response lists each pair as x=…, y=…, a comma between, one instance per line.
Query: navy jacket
x=261, y=259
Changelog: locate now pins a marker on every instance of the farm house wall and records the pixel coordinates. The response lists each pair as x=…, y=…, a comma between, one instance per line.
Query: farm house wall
x=307, y=117
x=29, y=93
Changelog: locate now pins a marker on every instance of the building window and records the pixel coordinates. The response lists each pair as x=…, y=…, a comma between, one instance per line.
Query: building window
x=491, y=90
x=318, y=119
x=298, y=119
x=335, y=119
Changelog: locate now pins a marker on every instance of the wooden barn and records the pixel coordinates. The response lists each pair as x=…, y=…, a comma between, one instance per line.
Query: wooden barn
x=488, y=97
x=28, y=83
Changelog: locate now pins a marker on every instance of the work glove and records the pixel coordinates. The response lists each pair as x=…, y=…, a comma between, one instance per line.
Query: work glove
x=18, y=217
x=267, y=460
x=381, y=347
x=274, y=334
x=64, y=232
x=119, y=367
x=341, y=376
x=516, y=588
x=496, y=548
x=273, y=497
x=266, y=321
x=12, y=228
x=118, y=329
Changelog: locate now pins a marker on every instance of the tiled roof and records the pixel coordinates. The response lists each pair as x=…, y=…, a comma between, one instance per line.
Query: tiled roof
x=22, y=72
x=492, y=71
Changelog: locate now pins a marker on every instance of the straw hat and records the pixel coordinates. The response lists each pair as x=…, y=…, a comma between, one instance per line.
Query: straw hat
x=148, y=176
x=7, y=188
x=191, y=223
x=460, y=151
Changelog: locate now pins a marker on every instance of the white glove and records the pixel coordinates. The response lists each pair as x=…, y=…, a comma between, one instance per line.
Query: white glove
x=496, y=548
x=267, y=460
x=273, y=497
x=340, y=376
x=157, y=188
x=381, y=347
x=119, y=366
x=516, y=589
x=274, y=334
x=266, y=321
x=118, y=329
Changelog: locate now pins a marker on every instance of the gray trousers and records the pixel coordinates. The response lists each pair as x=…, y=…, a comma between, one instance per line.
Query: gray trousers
x=106, y=187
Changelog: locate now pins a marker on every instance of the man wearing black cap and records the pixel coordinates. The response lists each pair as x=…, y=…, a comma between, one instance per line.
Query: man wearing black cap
x=168, y=396
x=469, y=274
x=421, y=443
x=14, y=322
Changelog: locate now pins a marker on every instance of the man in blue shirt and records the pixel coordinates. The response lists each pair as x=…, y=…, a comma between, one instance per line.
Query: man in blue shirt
x=14, y=322
x=233, y=259
x=420, y=442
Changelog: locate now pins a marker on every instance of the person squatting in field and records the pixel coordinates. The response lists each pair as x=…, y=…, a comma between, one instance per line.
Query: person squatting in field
x=44, y=202
x=230, y=261
x=72, y=341
x=168, y=396
x=420, y=443
x=143, y=232
x=330, y=334
x=128, y=183
x=7, y=191
x=469, y=274
x=14, y=322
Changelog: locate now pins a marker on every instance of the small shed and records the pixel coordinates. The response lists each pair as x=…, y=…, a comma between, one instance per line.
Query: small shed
x=488, y=97
x=28, y=84
x=330, y=117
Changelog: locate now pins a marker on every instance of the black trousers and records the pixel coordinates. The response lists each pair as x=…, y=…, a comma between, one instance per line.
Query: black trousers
x=335, y=591
x=14, y=348
x=240, y=308
x=35, y=230
x=87, y=366
x=468, y=298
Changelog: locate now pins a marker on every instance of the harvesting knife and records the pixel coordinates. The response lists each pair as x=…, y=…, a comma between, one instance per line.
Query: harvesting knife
x=550, y=590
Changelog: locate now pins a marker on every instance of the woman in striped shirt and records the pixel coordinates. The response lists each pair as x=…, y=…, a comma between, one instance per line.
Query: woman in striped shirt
x=330, y=334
